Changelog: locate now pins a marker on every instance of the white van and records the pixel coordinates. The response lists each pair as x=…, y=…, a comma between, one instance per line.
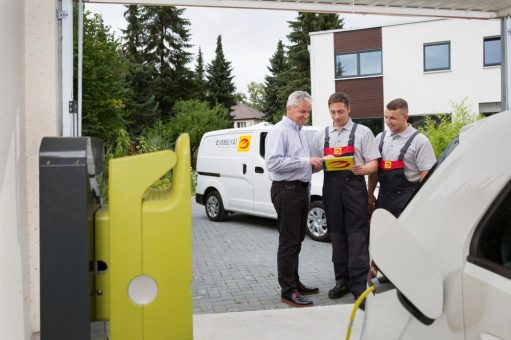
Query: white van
x=232, y=177
x=449, y=253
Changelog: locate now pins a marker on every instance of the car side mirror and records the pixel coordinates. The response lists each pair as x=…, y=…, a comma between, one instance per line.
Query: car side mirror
x=407, y=264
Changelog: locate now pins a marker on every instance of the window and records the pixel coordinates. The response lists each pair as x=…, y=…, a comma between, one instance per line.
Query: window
x=375, y=124
x=358, y=64
x=241, y=124
x=491, y=245
x=437, y=56
x=492, y=51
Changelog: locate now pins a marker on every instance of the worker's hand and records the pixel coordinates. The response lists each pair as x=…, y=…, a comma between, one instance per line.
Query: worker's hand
x=316, y=163
x=359, y=170
x=373, y=272
x=371, y=203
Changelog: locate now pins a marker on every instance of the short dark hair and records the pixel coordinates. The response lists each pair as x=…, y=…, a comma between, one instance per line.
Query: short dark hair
x=339, y=97
x=398, y=103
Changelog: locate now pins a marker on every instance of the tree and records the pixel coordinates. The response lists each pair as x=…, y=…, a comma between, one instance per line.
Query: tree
x=200, y=84
x=219, y=74
x=196, y=118
x=103, y=87
x=256, y=95
x=141, y=103
x=166, y=52
x=275, y=97
x=298, y=75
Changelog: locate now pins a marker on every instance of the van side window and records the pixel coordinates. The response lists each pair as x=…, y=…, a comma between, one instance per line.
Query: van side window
x=262, y=143
x=491, y=244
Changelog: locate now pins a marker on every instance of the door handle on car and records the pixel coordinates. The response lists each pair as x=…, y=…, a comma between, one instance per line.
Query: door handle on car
x=259, y=170
x=244, y=169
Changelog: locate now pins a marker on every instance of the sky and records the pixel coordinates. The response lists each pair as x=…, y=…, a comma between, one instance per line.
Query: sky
x=249, y=37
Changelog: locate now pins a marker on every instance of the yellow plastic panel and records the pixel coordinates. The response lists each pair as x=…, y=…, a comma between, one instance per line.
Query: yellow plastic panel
x=101, y=255
x=167, y=254
x=130, y=254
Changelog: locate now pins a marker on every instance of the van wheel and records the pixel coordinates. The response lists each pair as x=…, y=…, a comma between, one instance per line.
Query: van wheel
x=214, y=207
x=316, y=222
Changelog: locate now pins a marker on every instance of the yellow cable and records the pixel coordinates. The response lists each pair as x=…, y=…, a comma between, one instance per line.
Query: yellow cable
x=355, y=308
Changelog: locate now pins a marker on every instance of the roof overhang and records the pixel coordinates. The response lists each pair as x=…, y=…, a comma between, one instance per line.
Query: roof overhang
x=470, y=9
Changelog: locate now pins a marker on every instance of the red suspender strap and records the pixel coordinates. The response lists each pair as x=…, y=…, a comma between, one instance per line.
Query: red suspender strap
x=391, y=165
x=339, y=151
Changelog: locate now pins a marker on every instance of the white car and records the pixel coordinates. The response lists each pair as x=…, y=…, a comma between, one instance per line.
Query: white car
x=449, y=253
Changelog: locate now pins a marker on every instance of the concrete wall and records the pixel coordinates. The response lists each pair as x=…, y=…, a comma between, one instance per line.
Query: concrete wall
x=431, y=92
x=28, y=111
x=322, y=76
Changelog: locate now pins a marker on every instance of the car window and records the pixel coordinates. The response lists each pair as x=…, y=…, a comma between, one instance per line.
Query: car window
x=262, y=143
x=491, y=244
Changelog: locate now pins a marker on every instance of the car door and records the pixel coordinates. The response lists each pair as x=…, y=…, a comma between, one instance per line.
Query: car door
x=234, y=175
x=259, y=178
x=487, y=274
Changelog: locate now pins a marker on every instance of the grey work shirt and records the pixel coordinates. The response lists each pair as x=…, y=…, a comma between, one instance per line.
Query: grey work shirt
x=287, y=152
x=366, y=148
x=419, y=156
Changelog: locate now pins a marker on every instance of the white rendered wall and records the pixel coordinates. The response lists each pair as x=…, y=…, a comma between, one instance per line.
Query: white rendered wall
x=41, y=110
x=28, y=111
x=435, y=92
x=14, y=278
x=322, y=76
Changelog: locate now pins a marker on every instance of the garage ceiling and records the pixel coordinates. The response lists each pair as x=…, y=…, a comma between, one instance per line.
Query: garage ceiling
x=475, y=9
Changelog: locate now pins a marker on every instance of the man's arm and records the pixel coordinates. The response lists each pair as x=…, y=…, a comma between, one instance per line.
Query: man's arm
x=422, y=175
x=371, y=186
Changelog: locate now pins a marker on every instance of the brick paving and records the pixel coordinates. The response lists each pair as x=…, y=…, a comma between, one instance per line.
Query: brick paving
x=235, y=265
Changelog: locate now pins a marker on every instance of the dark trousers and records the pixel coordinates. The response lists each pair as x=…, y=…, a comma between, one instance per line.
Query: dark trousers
x=291, y=201
x=345, y=202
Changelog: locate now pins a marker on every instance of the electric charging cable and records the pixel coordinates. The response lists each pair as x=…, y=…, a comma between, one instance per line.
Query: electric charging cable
x=378, y=285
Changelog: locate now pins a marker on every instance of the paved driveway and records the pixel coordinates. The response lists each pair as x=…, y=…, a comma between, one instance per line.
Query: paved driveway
x=234, y=265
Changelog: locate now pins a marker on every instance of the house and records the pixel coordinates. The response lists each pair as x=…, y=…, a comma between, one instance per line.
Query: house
x=244, y=115
x=433, y=64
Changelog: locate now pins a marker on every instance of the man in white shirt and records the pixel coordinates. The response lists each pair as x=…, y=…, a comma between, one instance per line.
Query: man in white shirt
x=290, y=167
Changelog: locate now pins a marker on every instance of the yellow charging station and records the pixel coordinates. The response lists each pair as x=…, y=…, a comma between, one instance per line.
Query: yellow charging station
x=144, y=238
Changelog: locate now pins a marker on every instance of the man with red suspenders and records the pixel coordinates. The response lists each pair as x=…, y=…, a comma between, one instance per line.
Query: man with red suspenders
x=406, y=158
x=350, y=152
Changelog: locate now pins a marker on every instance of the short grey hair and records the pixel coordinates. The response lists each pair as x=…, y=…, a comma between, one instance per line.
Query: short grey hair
x=298, y=96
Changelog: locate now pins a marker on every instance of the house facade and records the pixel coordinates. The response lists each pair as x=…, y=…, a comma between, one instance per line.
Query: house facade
x=244, y=116
x=433, y=64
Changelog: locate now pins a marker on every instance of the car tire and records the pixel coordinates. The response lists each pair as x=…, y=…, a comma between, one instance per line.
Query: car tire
x=317, y=228
x=215, y=207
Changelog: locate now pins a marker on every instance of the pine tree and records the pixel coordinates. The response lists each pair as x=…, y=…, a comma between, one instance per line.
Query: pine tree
x=221, y=88
x=199, y=80
x=298, y=75
x=141, y=103
x=274, y=104
x=166, y=52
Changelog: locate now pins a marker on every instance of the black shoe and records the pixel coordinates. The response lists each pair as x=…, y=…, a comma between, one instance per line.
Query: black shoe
x=304, y=290
x=295, y=299
x=362, y=305
x=338, y=291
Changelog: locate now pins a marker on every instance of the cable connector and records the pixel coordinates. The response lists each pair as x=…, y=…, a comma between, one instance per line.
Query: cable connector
x=381, y=284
